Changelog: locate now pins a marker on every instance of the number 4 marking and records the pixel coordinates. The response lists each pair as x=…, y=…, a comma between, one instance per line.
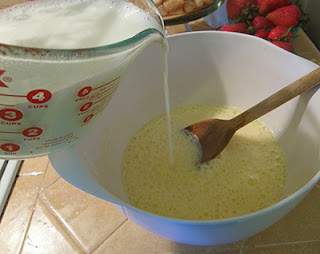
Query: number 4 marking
x=39, y=96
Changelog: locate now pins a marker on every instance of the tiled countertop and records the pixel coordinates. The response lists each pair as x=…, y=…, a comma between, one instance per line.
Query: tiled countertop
x=45, y=214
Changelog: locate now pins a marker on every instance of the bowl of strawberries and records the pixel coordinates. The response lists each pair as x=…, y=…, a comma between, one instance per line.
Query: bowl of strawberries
x=276, y=21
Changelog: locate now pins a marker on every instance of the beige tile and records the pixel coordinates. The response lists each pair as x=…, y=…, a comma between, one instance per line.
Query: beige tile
x=89, y=219
x=51, y=176
x=301, y=224
x=46, y=234
x=132, y=239
x=34, y=166
x=18, y=212
x=299, y=248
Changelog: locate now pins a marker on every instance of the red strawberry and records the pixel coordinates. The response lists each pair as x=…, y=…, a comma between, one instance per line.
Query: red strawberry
x=239, y=27
x=260, y=22
x=271, y=5
x=280, y=33
x=287, y=16
x=262, y=33
x=234, y=7
x=284, y=44
x=259, y=2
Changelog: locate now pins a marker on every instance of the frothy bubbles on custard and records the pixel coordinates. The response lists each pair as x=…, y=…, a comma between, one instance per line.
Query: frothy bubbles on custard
x=249, y=175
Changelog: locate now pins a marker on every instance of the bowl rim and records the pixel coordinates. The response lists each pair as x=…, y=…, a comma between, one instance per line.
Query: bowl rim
x=238, y=219
x=303, y=190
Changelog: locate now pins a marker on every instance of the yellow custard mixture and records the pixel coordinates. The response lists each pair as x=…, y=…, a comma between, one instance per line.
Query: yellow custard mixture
x=249, y=175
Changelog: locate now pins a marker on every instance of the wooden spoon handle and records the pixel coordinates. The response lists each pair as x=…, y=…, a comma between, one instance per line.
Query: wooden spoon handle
x=284, y=95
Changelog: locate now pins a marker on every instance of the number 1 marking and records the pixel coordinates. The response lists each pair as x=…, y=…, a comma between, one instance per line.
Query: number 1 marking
x=10, y=147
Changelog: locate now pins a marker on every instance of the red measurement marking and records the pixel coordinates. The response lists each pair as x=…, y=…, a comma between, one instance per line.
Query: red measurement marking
x=32, y=132
x=39, y=96
x=7, y=105
x=110, y=87
x=7, y=79
x=10, y=147
x=1, y=83
x=107, y=83
x=7, y=140
x=88, y=118
x=12, y=95
x=106, y=96
x=7, y=47
x=85, y=91
x=86, y=106
x=10, y=114
x=10, y=132
x=113, y=87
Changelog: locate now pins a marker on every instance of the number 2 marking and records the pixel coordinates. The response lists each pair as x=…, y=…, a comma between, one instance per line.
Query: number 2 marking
x=32, y=132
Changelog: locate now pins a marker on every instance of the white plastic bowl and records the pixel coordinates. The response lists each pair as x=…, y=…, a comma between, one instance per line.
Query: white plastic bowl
x=204, y=67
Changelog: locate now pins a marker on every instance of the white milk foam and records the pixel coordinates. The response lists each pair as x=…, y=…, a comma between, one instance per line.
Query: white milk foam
x=69, y=24
x=66, y=24
x=249, y=175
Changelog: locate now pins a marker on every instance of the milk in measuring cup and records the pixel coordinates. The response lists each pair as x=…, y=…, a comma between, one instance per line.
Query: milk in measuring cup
x=70, y=24
x=47, y=102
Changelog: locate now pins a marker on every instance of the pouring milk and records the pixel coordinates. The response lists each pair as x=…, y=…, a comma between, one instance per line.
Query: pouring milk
x=49, y=98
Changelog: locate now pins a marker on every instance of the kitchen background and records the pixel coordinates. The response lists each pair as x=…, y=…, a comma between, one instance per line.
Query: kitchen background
x=313, y=30
x=44, y=214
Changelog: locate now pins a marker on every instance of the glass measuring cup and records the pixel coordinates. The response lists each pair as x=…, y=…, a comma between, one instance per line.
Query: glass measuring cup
x=49, y=98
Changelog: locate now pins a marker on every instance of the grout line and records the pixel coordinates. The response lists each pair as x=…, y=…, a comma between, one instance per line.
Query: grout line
x=281, y=244
x=30, y=218
x=46, y=188
x=63, y=224
x=33, y=207
x=68, y=231
x=112, y=233
x=244, y=243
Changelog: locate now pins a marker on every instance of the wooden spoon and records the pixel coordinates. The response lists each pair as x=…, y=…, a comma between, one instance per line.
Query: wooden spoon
x=215, y=134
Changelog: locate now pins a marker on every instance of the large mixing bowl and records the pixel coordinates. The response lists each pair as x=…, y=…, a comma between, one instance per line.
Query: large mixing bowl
x=204, y=67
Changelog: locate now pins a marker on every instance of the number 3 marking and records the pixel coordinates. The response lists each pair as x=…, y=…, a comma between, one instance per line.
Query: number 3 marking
x=10, y=114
